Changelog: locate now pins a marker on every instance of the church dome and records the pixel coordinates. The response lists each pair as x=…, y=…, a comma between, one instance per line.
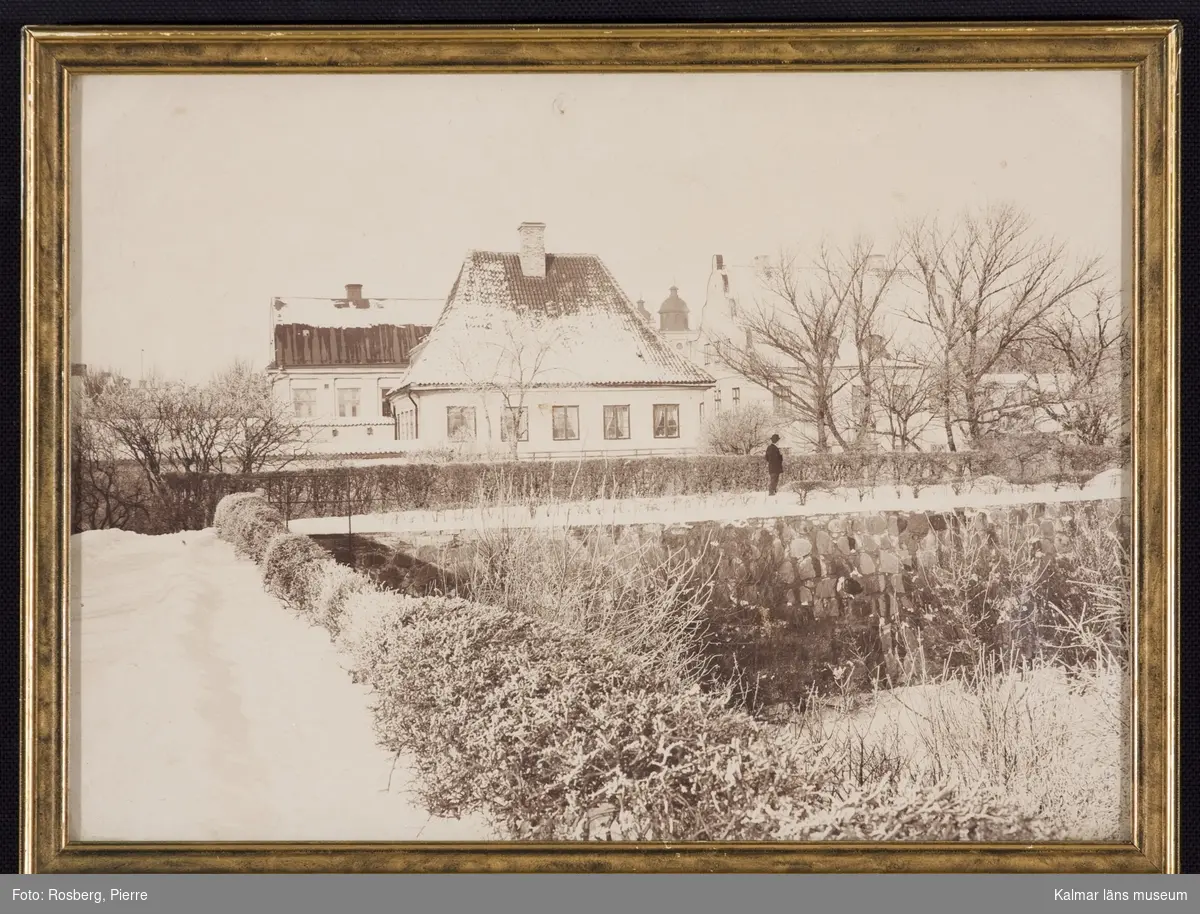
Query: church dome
x=673, y=313
x=673, y=304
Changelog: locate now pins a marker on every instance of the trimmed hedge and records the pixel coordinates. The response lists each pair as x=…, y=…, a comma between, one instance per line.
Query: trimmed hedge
x=295, y=568
x=249, y=522
x=1024, y=460
x=556, y=735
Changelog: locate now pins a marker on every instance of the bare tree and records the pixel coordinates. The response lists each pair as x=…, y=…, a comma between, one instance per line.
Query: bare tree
x=793, y=334
x=860, y=279
x=259, y=429
x=1077, y=369
x=133, y=419
x=105, y=491
x=986, y=282
x=906, y=394
x=743, y=430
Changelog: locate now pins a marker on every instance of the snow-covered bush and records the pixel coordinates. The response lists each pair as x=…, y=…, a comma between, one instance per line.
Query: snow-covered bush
x=913, y=811
x=294, y=567
x=249, y=523
x=228, y=505
x=338, y=585
x=563, y=736
x=371, y=619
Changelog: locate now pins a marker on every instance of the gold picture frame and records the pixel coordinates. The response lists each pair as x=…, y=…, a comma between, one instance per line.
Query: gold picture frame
x=1149, y=50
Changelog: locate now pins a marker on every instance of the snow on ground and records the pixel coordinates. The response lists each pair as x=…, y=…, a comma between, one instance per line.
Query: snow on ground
x=724, y=507
x=203, y=710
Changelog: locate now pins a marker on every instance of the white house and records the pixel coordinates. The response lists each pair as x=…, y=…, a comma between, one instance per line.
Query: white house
x=544, y=354
x=335, y=359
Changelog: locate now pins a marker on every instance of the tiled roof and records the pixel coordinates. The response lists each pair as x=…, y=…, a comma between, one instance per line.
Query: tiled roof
x=331, y=332
x=572, y=327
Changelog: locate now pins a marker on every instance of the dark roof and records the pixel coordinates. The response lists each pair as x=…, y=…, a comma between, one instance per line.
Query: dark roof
x=299, y=345
x=587, y=329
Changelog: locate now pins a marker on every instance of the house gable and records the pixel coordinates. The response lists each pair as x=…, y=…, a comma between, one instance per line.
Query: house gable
x=571, y=326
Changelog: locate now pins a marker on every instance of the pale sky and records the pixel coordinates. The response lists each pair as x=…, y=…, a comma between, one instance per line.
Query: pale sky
x=198, y=198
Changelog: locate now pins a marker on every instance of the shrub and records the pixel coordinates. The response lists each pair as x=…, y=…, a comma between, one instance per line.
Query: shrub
x=250, y=524
x=885, y=811
x=555, y=734
x=294, y=569
x=361, y=631
x=227, y=506
x=458, y=484
x=742, y=430
x=337, y=586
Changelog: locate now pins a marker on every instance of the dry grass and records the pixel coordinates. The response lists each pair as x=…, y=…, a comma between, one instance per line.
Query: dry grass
x=646, y=599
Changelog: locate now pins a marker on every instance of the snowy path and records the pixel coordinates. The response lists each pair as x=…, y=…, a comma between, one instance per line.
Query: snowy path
x=202, y=710
x=727, y=507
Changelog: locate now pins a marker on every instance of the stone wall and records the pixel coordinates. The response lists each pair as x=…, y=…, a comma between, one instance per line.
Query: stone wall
x=814, y=602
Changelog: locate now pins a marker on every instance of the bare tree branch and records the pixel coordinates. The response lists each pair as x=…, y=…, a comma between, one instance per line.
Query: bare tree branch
x=986, y=282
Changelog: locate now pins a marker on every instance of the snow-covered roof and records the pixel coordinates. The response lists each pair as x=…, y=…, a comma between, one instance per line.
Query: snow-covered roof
x=572, y=327
x=368, y=312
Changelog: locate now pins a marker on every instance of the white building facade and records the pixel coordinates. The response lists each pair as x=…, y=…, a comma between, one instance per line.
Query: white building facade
x=335, y=360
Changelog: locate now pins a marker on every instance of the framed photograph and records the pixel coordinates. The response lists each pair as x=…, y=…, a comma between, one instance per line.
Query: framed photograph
x=601, y=449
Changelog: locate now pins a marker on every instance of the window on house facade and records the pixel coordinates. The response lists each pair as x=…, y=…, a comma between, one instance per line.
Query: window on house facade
x=348, y=402
x=385, y=405
x=406, y=425
x=666, y=420
x=717, y=401
x=749, y=338
x=304, y=401
x=737, y=397
x=779, y=400
x=701, y=413
x=514, y=424
x=460, y=423
x=565, y=423
x=616, y=422
x=710, y=353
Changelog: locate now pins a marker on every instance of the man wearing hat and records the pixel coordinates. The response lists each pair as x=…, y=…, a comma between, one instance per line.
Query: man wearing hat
x=774, y=464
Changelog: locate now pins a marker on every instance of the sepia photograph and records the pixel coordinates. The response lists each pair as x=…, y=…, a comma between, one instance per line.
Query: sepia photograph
x=601, y=457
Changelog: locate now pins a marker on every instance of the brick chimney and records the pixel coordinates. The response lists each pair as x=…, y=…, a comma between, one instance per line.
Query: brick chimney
x=354, y=294
x=533, y=248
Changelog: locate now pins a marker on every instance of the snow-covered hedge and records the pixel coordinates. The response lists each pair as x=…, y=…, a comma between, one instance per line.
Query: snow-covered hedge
x=338, y=586
x=249, y=522
x=399, y=487
x=227, y=506
x=294, y=569
x=552, y=734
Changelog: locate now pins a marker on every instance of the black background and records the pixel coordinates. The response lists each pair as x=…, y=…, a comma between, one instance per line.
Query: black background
x=14, y=14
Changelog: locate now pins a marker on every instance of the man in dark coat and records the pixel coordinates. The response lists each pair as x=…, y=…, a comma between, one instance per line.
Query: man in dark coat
x=774, y=464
